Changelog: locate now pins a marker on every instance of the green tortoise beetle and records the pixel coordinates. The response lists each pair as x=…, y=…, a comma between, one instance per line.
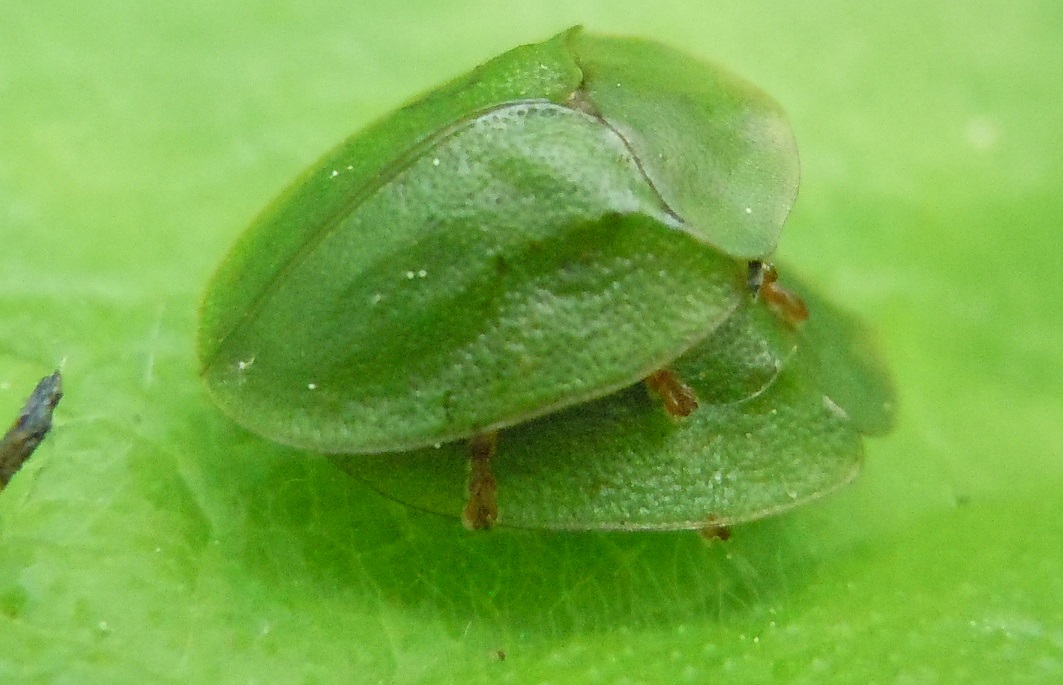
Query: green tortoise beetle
x=566, y=220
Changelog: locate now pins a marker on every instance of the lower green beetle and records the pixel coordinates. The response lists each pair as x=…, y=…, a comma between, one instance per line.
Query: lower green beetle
x=781, y=411
x=520, y=246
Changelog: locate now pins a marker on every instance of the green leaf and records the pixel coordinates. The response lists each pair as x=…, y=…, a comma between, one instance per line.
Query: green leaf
x=150, y=540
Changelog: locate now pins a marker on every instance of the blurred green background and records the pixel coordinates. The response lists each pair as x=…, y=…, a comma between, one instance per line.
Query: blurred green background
x=149, y=540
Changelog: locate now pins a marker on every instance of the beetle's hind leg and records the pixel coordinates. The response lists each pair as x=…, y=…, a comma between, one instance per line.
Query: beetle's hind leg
x=481, y=509
x=678, y=398
x=713, y=530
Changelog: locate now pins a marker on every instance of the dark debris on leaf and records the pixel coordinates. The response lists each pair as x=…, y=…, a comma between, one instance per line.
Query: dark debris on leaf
x=31, y=426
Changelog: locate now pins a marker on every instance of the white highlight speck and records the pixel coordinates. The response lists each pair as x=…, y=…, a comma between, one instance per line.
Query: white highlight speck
x=311, y=386
x=243, y=365
x=334, y=174
x=375, y=299
x=982, y=133
x=749, y=210
x=149, y=368
x=422, y=273
x=410, y=275
x=831, y=406
x=435, y=161
x=350, y=167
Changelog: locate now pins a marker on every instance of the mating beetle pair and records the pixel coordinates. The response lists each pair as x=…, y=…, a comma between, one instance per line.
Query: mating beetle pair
x=514, y=252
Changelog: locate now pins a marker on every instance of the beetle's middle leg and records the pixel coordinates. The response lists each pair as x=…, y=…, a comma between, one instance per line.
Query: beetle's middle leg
x=481, y=509
x=678, y=398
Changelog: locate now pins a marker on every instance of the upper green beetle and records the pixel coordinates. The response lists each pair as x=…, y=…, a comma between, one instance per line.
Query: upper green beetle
x=558, y=224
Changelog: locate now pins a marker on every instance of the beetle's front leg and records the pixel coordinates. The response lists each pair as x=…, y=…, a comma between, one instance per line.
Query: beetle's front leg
x=481, y=509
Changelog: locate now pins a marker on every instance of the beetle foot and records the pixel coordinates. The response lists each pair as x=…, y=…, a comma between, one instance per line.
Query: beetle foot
x=678, y=398
x=764, y=283
x=481, y=509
